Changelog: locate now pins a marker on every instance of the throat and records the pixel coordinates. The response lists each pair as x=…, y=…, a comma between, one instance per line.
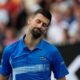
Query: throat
x=31, y=43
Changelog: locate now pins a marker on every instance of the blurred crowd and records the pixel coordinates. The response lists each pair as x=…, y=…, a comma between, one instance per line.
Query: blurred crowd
x=64, y=28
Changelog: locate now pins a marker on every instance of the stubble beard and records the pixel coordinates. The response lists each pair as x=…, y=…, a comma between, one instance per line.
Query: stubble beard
x=36, y=33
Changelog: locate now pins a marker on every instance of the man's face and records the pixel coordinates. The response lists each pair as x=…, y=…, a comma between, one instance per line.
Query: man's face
x=38, y=25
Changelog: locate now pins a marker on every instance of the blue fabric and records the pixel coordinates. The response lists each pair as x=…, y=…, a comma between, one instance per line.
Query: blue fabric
x=37, y=64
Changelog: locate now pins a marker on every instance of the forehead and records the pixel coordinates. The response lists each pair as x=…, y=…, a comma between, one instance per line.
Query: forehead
x=41, y=17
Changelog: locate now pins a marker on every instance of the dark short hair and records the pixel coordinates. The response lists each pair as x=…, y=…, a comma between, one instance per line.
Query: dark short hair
x=45, y=13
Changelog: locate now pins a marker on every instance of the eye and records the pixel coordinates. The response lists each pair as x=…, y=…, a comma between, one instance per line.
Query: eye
x=45, y=25
x=38, y=21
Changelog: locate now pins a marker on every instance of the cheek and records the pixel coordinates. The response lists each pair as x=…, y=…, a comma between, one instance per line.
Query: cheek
x=44, y=30
x=33, y=24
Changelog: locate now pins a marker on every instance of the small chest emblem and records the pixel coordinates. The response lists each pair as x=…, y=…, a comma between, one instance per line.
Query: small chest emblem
x=42, y=58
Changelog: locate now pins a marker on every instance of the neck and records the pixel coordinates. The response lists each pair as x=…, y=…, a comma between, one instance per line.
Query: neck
x=30, y=41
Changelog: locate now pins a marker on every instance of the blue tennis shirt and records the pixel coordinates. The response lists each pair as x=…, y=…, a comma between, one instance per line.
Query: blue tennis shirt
x=37, y=64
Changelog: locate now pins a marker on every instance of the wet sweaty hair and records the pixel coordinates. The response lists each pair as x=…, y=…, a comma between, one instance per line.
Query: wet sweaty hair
x=45, y=13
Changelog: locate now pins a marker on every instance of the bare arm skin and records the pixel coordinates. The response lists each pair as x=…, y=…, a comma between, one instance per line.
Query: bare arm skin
x=64, y=78
x=3, y=77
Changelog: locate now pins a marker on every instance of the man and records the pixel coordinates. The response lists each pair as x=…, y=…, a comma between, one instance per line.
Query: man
x=32, y=58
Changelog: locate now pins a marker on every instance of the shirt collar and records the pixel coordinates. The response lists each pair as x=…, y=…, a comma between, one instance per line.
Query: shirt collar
x=24, y=46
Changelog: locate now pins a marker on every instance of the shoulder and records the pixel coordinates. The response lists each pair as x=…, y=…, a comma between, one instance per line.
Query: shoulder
x=48, y=46
x=52, y=51
x=10, y=48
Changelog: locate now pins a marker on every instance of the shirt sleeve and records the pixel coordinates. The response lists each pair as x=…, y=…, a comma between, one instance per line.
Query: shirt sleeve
x=5, y=68
x=58, y=66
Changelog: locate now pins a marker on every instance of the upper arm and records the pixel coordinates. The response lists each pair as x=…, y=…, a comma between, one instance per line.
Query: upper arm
x=58, y=66
x=5, y=68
